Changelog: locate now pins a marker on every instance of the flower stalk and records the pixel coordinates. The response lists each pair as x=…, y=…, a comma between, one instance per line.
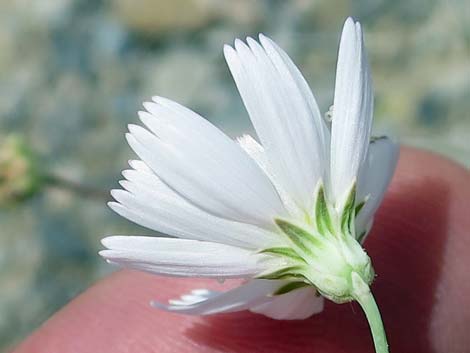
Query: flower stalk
x=363, y=295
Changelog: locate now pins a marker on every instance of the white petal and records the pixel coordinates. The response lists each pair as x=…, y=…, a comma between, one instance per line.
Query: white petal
x=151, y=203
x=256, y=151
x=203, y=165
x=352, y=112
x=181, y=257
x=284, y=114
x=252, y=293
x=296, y=305
x=375, y=177
x=195, y=296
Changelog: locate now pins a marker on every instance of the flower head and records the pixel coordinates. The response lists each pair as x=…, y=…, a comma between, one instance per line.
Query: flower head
x=20, y=177
x=288, y=214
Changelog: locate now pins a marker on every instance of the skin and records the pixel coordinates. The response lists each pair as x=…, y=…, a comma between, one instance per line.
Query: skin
x=419, y=247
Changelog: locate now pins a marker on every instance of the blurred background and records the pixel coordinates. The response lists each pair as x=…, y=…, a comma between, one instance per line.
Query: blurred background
x=74, y=73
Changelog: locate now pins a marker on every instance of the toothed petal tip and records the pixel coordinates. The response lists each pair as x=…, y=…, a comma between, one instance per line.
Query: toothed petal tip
x=111, y=240
x=104, y=253
x=251, y=40
x=148, y=105
x=156, y=99
x=112, y=204
x=239, y=44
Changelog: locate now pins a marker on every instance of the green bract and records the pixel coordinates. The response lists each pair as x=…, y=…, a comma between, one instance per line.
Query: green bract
x=324, y=251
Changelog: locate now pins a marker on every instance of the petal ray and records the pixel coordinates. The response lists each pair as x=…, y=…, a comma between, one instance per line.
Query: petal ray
x=352, y=112
x=256, y=151
x=296, y=305
x=148, y=201
x=375, y=178
x=203, y=165
x=252, y=293
x=284, y=114
x=181, y=257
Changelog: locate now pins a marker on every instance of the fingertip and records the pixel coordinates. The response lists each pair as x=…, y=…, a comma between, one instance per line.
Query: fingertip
x=419, y=246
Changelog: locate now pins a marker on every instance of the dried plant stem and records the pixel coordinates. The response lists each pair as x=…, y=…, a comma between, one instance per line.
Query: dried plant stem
x=76, y=188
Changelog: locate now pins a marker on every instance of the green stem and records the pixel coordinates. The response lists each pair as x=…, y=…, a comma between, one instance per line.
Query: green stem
x=365, y=298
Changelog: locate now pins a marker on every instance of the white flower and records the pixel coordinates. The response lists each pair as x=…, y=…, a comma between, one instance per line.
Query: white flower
x=288, y=215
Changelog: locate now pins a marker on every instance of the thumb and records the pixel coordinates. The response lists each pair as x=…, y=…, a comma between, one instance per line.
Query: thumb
x=419, y=247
